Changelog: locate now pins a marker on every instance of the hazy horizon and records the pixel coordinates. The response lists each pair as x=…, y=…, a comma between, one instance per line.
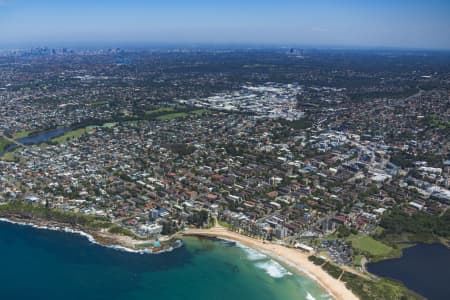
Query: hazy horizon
x=350, y=24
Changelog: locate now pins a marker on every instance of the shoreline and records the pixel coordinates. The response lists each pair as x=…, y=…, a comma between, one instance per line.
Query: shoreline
x=293, y=258
x=107, y=240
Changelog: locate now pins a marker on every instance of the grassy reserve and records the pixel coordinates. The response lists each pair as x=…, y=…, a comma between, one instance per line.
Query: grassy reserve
x=332, y=269
x=3, y=144
x=377, y=289
x=366, y=245
x=357, y=260
x=72, y=134
x=159, y=111
x=109, y=125
x=18, y=135
x=171, y=113
x=316, y=260
x=119, y=230
x=21, y=134
x=224, y=224
x=29, y=211
x=10, y=155
x=199, y=111
x=172, y=116
x=367, y=288
x=99, y=102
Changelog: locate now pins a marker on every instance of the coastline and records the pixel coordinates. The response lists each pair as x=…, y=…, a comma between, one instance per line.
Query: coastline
x=291, y=257
x=296, y=260
x=108, y=240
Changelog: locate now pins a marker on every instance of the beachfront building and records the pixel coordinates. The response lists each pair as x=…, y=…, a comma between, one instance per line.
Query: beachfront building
x=150, y=230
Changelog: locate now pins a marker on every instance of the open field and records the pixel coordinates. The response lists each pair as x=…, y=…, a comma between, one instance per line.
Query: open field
x=3, y=144
x=199, y=111
x=72, y=134
x=21, y=134
x=159, y=110
x=172, y=116
x=9, y=156
x=100, y=102
x=366, y=244
x=170, y=113
x=109, y=125
x=357, y=260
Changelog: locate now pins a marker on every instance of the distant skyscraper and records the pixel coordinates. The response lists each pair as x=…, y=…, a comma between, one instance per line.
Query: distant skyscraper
x=153, y=215
x=296, y=52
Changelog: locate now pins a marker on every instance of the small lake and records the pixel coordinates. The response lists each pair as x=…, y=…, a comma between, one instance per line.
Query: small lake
x=38, y=138
x=42, y=137
x=424, y=268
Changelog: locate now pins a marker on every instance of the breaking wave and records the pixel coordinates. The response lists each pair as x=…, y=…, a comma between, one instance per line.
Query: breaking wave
x=252, y=254
x=309, y=296
x=273, y=269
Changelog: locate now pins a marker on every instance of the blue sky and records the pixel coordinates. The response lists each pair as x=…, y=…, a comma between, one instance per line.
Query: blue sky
x=390, y=23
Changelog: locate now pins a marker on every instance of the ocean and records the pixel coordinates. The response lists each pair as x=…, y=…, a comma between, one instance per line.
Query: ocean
x=44, y=264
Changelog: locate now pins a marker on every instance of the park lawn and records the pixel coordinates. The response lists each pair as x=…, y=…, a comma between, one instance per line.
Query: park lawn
x=3, y=143
x=172, y=116
x=159, y=110
x=332, y=236
x=10, y=156
x=224, y=224
x=73, y=134
x=378, y=231
x=170, y=113
x=109, y=125
x=21, y=134
x=367, y=244
x=100, y=102
x=199, y=111
x=357, y=260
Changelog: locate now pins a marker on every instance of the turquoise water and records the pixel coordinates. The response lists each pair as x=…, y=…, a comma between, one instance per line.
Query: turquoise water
x=42, y=264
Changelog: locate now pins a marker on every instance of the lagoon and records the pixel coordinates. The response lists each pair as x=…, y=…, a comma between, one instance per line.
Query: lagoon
x=424, y=268
x=37, y=138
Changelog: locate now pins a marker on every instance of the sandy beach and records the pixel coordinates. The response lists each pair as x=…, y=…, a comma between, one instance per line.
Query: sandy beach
x=291, y=257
